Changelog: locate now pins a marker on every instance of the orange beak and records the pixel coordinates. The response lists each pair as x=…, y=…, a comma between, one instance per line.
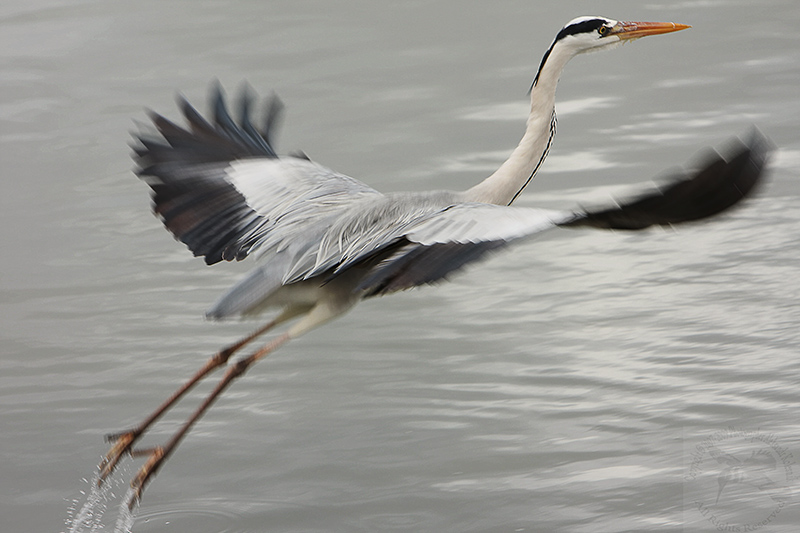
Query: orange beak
x=635, y=30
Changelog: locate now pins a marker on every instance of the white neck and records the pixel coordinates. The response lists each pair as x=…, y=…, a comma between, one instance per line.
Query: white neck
x=507, y=182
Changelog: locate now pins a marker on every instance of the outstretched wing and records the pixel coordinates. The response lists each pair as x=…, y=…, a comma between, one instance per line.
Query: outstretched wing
x=464, y=233
x=397, y=242
x=406, y=240
x=220, y=188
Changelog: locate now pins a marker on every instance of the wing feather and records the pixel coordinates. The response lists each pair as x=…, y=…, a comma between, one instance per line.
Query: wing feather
x=443, y=242
x=720, y=181
x=221, y=189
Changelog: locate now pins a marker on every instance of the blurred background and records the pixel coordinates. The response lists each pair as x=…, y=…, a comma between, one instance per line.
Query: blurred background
x=561, y=386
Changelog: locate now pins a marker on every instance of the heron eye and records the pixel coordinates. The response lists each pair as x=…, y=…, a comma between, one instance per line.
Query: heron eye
x=602, y=30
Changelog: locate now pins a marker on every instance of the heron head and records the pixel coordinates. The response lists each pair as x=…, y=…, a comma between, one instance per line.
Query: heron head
x=588, y=34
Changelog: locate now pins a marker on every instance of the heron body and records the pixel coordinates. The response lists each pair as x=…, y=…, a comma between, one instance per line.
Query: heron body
x=312, y=225
x=325, y=241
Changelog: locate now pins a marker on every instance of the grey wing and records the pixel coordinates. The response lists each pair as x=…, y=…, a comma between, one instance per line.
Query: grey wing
x=220, y=188
x=464, y=233
x=406, y=240
x=414, y=239
x=398, y=242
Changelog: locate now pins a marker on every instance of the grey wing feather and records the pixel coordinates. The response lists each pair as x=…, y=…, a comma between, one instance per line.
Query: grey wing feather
x=424, y=219
x=444, y=242
x=466, y=223
x=249, y=293
x=400, y=241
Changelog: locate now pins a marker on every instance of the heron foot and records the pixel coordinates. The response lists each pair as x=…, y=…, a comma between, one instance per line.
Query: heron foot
x=122, y=445
x=149, y=469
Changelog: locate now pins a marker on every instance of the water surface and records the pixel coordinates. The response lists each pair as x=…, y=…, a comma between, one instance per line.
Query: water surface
x=563, y=386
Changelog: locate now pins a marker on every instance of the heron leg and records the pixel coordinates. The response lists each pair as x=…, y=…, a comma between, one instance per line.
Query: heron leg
x=123, y=441
x=157, y=455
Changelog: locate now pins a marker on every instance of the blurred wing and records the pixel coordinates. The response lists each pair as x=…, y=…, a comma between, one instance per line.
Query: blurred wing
x=720, y=182
x=464, y=233
x=221, y=189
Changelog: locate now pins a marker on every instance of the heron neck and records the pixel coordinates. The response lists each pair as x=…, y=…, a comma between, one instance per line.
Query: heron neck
x=516, y=172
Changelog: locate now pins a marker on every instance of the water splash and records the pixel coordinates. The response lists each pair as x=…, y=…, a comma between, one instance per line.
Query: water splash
x=126, y=513
x=90, y=517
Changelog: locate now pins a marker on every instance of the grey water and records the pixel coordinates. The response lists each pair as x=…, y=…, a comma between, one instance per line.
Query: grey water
x=582, y=382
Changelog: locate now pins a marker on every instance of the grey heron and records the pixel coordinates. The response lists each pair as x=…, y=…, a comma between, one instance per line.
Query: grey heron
x=325, y=241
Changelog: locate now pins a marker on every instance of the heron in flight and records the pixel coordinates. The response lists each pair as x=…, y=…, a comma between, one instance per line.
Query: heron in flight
x=326, y=241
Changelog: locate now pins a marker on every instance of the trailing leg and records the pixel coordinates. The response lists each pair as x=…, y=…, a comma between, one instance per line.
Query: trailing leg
x=318, y=315
x=123, y=441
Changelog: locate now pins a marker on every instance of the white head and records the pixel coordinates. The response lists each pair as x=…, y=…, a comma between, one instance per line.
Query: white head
x=589, y=34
